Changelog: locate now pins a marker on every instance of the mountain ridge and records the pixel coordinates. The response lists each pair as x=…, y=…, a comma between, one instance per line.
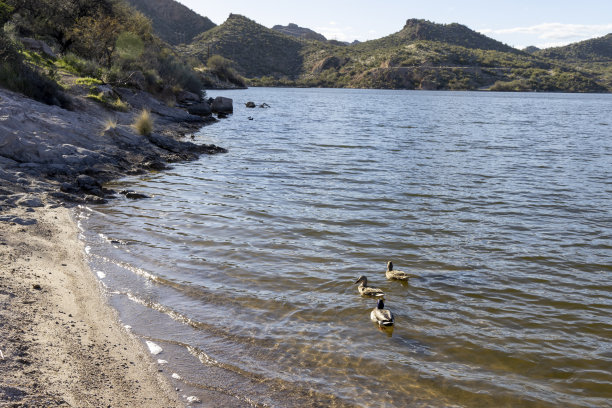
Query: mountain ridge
x=173, y=22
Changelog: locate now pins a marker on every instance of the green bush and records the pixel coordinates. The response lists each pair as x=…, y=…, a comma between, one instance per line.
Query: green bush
x=18, y=76
x=223, y=68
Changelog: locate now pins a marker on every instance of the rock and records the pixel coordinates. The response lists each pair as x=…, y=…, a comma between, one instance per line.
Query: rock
x=38, y=46
x=155, y=165
x=264, y=105
x=107, y=91
x=30, y=201
x=222, y=115
x=250, y=104
x=18, y=220
x=89, y=185
x=200, y=109
x=133, y=195
x=222, y=104
x=188, y=97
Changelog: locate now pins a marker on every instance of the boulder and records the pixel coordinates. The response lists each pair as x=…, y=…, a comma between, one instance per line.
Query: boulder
x=188, y=97
x=222, y=105
x=200, y=109
x=250, y=104
x=38, y=46
x=89, y=185
x=107, y=92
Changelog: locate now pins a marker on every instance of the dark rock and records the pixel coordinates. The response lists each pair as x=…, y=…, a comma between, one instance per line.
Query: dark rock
x=188, y=97
x=36, y=286
x=92, y=199
x=222, y=105
x=250, y=104
x=155, y=165
x=133, y=195
x=69, y=188
x=107, y=92
x=200, y=109
x=222, y=115
x=89, y=185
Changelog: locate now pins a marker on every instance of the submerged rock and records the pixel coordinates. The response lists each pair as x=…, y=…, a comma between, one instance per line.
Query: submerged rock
x=133, y=195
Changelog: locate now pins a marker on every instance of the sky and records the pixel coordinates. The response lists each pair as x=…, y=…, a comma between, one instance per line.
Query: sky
x=518, y=23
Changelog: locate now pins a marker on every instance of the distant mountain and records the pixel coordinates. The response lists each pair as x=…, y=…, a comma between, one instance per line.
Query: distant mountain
x=256, y=50
x=422, y=55
x=453, y=34
x=593, y=56
x=594, y=50
x=172, y=21
x=531, y=49
x=299, y=32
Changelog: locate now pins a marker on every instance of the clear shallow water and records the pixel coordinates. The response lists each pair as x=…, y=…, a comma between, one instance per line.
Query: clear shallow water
x=241, y=266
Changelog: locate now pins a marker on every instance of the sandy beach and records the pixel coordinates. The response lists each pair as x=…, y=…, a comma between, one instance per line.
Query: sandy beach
x=61, y=344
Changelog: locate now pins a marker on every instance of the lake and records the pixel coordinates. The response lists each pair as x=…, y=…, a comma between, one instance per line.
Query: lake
x=241, y=266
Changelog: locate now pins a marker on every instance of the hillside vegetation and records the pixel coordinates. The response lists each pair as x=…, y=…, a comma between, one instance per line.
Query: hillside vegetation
x=106, y=41
x=300, y=32
x=255, y=50
x=422, y=55
x=593, y=56
x=172, y=21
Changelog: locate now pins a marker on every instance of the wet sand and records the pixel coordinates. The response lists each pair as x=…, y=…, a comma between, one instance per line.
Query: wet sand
x=61, y=344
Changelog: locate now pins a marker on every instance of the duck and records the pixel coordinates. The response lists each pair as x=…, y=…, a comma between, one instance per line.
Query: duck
x=382, y=316
x=393, y=274
x=366, y=290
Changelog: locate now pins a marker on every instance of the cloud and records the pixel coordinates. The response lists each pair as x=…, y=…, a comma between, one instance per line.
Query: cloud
x=555, y=32
x=335, y=32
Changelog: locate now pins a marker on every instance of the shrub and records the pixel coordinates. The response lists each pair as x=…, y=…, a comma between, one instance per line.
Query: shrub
x=20, y=77
x=110, y=123
x=222, y=67
x=143, y=124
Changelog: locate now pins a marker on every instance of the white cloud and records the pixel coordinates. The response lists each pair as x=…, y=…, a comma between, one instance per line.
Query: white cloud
x=334, y=32
x=552, y=33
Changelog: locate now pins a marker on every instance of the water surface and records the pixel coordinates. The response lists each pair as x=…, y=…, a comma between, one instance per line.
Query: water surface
x=241, y=266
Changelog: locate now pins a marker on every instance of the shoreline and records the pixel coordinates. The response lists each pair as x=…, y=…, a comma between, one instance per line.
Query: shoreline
x=61, y=343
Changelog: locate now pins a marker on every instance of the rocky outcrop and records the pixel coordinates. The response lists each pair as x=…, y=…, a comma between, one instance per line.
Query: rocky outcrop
x=68, y=155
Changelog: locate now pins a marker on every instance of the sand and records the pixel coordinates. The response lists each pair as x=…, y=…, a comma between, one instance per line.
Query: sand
x=61, y=344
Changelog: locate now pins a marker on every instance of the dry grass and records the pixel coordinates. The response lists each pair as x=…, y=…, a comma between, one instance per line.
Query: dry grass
x=110, y=123
x=143, y=124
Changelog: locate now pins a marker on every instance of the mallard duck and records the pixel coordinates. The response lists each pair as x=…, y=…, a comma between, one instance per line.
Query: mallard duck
x=366, y=290
x=393, y=274
x=380, y=315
